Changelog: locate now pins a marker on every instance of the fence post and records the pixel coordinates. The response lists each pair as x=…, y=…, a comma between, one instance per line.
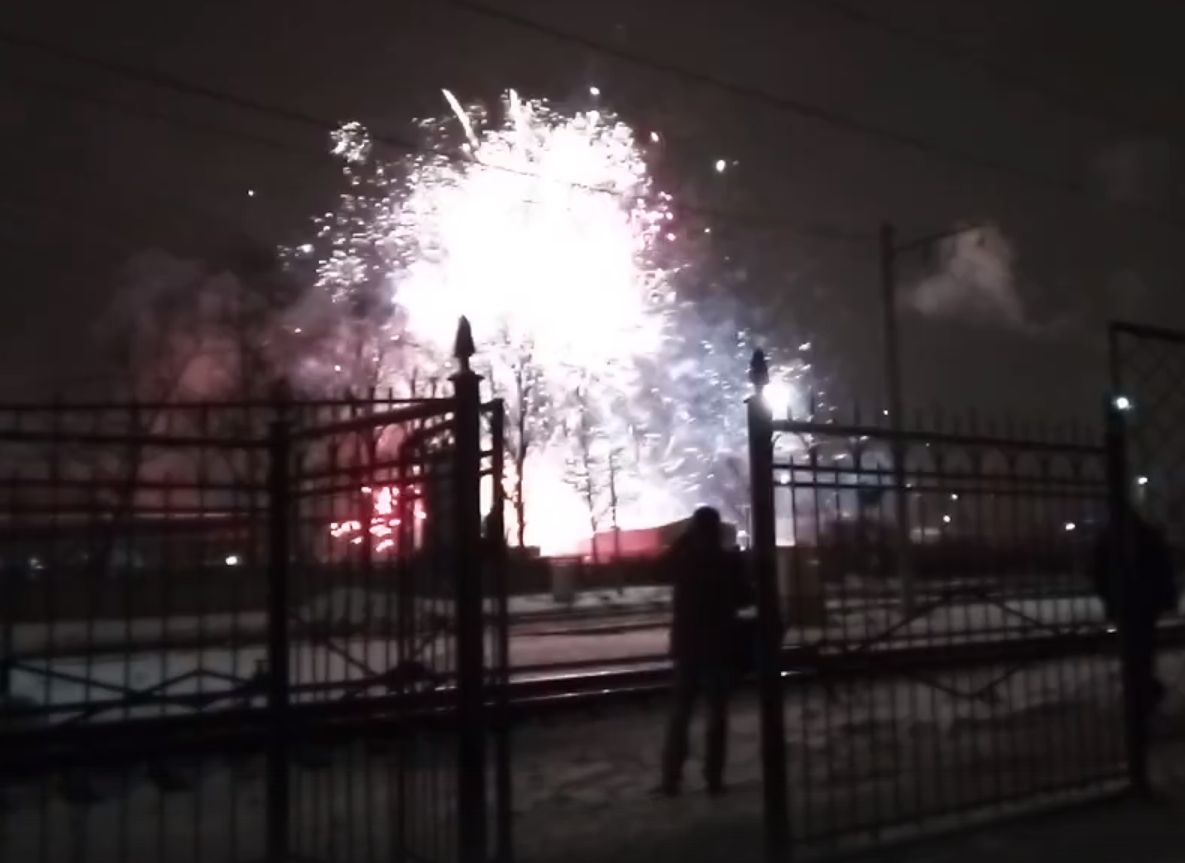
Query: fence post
x=8, y=601
x=279, y=513
x=776, y=816
x=500, y=563
x=496, y=546
x=470, y=623
x=1120, y=571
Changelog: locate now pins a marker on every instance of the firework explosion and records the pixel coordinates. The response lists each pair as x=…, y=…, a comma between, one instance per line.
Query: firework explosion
x=546, y=231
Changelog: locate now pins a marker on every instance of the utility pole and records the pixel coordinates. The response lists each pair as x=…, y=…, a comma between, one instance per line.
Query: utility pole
x=896, y=414
x=889, y=250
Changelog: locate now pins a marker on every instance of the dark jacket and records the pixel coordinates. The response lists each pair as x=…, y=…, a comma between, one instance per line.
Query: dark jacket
x=1149, y=575
x=709, y=587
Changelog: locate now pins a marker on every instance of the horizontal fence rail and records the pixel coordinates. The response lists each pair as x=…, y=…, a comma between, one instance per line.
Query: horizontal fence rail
x=182, y=584
x=985, y=674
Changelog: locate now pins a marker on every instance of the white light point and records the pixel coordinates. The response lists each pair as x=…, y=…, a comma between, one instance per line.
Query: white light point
x=805, y=346
x=720, y=166
x=1141, y=480
x=946, y=519
x=1070, y=526
x=777, y=397
x=594, y=90
x=1123, y=403
x=655, y=137
x=232, y=560
x=954, y=495
x=250, y=193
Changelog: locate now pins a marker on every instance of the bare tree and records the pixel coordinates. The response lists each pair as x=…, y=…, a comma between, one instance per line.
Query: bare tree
x=529, y=421
x=584, y=470
x=184, y=332
x=612, y=462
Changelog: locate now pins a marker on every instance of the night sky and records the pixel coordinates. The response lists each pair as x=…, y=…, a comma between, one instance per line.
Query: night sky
x=1083, y=109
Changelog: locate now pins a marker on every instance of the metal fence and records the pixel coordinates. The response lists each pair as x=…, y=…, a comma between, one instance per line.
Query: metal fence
x=253, y=631
x=1147, y=370
x=978, y=553
x=1146, y=410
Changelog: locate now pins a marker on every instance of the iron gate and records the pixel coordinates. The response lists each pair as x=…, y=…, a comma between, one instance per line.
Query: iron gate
x=1146, y=409
x=1147, y=371
x=254, y=631
x=952, y=667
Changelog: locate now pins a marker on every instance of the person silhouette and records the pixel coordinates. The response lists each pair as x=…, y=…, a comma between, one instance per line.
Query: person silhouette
x=1136, y=582
x=709, y=587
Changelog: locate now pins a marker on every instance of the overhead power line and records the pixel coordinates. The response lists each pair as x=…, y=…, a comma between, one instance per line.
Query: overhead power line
x=1086, y=107
x=59, y=91
x=305, y=119
x=810, y=111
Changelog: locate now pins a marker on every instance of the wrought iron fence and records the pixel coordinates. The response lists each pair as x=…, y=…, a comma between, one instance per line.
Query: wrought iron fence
x=252, y=631
x=1147, y=370
x=981, y=547
x=1146, y=409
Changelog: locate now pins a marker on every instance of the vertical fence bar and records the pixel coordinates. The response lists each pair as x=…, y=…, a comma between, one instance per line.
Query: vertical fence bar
x=497, y=549
x=773, y=740
x=471, y=791
x=279, y=511
x=1120, y=571
x=896, y=417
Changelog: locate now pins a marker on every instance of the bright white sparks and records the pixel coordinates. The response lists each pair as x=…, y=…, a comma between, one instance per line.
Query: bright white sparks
x=541, y=240
x=720, y=166
x=778, y=397
x=545, y=230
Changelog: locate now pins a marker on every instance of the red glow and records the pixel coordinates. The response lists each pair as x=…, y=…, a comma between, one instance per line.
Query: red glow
x=384, y=520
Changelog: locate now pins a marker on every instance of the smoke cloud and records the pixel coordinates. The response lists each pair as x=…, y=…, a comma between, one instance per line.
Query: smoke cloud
x=974, y=280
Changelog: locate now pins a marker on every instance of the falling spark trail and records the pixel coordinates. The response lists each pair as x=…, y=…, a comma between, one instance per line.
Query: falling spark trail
x=460, y=114
x=551, y=238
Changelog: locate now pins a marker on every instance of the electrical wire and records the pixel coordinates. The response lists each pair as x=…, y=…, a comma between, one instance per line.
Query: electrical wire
x=810, y=111
x=312, y=121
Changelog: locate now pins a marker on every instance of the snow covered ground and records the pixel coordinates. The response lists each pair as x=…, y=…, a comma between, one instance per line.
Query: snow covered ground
x=219, y=664
x=853, y=605
x=857, y=754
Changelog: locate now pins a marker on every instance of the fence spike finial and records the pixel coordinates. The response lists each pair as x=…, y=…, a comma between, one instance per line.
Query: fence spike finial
x=463, y=348
x=758, y=370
